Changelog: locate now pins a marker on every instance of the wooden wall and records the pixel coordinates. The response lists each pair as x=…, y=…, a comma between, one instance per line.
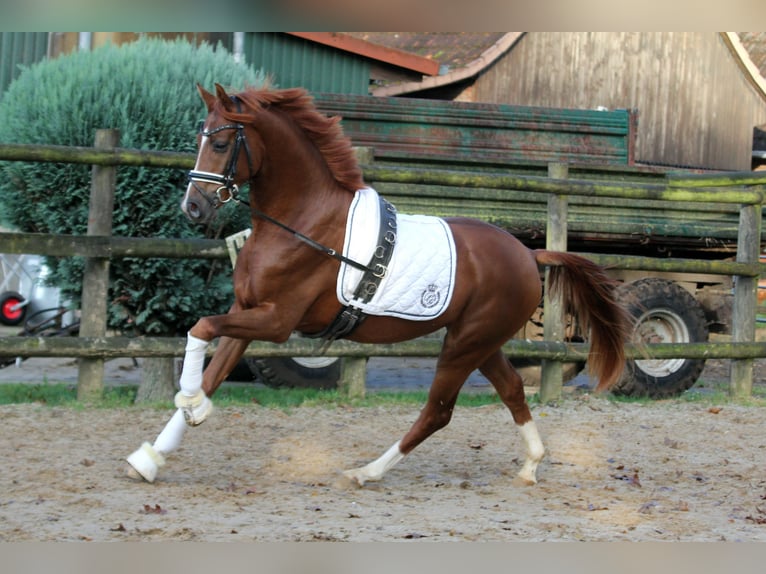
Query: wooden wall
x=695, y=106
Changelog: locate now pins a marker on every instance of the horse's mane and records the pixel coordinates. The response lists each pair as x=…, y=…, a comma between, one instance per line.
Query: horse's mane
x=325, y=132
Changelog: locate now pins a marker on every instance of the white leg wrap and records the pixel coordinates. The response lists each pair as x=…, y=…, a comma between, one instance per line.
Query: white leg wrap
x=196, y=407
x=170, y=437
x=535, y=452
x=194, y=361
x=377, y=468
x=145, y=462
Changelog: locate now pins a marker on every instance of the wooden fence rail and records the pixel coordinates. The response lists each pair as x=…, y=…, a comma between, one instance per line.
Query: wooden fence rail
x=719, y=189
x=115, y=346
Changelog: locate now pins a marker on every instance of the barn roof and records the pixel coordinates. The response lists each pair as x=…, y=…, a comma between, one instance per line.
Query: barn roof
x=386, y=52
x=461, y=55
x=451, y=50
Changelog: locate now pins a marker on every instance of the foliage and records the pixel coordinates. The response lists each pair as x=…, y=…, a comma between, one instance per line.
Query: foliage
x=146, y=90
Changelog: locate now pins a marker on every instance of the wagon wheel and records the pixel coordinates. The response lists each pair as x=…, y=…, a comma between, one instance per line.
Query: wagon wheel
x=531, y=369
x=10, y=313
x=664, y=312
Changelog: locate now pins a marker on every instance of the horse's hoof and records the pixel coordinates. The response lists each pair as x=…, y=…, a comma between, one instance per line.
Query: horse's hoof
x=132, y=474
x=524, y=481
x=144, y=463
x=195, y=409
x=356, y=476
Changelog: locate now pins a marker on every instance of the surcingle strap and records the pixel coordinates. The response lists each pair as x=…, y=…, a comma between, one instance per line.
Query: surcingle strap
x=350, y=317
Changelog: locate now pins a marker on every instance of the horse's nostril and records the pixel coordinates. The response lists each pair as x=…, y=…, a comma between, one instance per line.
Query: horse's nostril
x=193, y=210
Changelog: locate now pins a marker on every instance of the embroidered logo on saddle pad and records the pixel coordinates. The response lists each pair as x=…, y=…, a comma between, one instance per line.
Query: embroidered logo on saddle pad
x=420, y=278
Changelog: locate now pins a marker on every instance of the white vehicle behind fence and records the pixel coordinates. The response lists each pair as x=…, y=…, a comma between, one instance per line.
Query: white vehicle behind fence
x=24, y=295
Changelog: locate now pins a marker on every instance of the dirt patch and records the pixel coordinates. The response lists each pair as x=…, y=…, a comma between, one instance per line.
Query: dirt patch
x=614, y=471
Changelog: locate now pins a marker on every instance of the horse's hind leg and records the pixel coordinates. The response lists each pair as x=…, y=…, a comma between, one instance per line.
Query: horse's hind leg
x=436, y=414
x=510, y=389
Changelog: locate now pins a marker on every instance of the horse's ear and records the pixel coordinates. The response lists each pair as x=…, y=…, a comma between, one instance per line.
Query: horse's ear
x=223, y=97
x=207, y=97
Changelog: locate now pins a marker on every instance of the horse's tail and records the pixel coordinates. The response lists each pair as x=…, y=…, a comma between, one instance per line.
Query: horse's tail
x=588, y=294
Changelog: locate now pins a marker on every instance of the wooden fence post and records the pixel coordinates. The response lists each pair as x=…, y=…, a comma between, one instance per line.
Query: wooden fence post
x=745, y=299
x=552, y=372
x=90, y=375
x=353, y=375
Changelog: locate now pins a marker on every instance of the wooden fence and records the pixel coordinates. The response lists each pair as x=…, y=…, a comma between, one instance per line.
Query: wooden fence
x=92, y=346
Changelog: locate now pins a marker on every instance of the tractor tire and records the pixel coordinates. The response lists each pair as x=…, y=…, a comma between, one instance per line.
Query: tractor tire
x=297, y=372
x=664, y=312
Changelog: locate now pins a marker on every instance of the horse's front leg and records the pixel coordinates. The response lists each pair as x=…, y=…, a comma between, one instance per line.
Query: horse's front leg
x=235, y=330
x=198, y=385
x=147, y=460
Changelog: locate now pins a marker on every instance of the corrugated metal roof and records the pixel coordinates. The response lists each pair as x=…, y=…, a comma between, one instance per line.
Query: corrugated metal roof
x=451, y=49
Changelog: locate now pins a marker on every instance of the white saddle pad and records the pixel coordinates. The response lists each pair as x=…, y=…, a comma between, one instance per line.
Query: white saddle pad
x=421, y=275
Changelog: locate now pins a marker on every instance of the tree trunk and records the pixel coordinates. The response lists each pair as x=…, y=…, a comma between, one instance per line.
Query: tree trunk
x=158, y=375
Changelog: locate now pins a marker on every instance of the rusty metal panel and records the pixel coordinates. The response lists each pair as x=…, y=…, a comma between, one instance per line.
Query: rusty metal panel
x=418, y=129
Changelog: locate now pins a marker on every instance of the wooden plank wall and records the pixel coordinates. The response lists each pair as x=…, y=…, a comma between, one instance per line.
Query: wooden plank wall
x=695, y=106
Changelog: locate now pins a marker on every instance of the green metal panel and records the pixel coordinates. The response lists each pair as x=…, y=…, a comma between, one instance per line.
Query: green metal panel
x=408, y=129
x=296, y=62
x=19, y=48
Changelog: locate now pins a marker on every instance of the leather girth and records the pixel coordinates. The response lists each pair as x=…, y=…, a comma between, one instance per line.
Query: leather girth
x=350, y=317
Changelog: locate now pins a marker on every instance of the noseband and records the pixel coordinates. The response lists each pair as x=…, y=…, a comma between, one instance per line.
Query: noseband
x=225, y=181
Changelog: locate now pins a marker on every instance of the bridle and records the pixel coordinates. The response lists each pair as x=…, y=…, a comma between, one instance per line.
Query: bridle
x=350, y=316
x=225, y=181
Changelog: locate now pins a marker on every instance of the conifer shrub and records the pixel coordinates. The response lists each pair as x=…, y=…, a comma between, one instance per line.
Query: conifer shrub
x=146, y=90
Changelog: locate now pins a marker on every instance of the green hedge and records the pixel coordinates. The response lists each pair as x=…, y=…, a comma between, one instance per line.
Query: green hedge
x=146, y=90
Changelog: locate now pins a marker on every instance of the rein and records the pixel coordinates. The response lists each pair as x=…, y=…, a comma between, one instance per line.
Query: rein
x=350, y=316
x=226, y=182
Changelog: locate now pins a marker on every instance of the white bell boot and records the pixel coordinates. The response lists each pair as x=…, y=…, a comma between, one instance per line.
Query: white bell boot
x=195, y=408
x=145, y=462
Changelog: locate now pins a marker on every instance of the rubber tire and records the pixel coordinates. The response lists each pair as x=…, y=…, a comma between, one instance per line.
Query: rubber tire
x=288, y=372
x=241, y=373
x=677, y=312
x=8, y=300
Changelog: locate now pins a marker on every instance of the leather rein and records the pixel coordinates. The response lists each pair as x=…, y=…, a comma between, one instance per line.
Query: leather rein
x=350, y=316
x=226, y=183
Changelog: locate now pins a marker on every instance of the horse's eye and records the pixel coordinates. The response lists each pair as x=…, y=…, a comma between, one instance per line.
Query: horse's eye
x=220, y=145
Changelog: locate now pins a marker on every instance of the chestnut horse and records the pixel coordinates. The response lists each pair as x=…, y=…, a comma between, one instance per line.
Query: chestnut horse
x=302, y=177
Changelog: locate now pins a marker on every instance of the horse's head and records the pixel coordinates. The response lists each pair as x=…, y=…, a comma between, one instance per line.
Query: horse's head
x=275, y=138
x=224, y=159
